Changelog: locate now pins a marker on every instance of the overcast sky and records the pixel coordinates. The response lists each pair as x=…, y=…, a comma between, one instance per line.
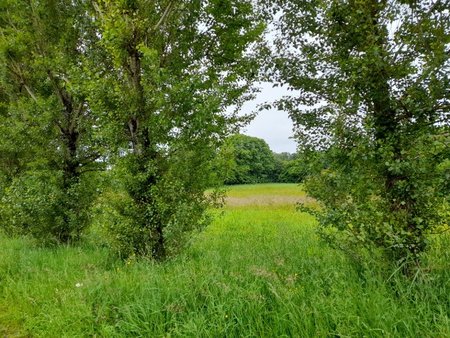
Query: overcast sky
x=274, y=126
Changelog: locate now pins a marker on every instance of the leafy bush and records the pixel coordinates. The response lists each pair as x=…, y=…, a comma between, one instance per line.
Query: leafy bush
x=37, y=203
x=356, y=211
x=155, y=220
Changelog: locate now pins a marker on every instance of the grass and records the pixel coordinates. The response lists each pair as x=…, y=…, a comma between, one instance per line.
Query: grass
x=257, y=271
x=265, y=195
x=250, y=190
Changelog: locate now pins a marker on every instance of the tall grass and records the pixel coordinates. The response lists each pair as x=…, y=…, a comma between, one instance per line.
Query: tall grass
x=283, y=189
x=257, y=271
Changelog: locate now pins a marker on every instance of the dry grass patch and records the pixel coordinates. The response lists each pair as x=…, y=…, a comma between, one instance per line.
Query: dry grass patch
x=266, y=200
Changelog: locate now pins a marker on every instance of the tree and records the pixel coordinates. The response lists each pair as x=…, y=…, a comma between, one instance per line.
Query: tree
x=292, y=168
x=374, y=75
x=253, y=161
x=170, y=71
x=48, y=143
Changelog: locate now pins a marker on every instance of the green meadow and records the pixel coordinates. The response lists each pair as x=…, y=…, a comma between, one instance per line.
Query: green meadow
x=259, y=270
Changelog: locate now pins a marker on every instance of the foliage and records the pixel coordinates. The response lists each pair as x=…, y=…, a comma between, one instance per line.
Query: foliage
x=252, y=160
x=291, y=168
x=48, y=142
x=36, y=203
x=117, y=218
x=371, y=88
x=168, y=73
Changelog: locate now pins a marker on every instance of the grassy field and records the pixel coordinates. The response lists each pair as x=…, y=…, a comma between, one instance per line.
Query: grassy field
x=258, y=271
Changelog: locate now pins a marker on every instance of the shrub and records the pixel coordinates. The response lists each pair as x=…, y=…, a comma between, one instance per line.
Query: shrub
x=37, y=203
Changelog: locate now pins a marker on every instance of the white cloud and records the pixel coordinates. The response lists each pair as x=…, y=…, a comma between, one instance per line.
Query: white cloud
x=274, y=126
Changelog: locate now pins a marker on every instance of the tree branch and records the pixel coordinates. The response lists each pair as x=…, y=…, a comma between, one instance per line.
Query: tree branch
x=164, y=16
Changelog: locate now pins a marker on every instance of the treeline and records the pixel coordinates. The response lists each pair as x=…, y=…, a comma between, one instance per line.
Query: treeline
x=249, y=160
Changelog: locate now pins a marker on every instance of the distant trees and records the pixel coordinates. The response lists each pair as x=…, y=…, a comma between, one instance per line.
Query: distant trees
x=291, y=168
x=249, y=160
x=252, y=161
x=375, y=76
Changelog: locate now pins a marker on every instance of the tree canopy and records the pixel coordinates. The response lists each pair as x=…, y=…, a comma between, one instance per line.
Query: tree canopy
x=252, y=161
x=141, y=88
x=370, y=81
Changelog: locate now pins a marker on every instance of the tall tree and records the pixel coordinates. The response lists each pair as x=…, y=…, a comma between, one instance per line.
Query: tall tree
x=172, y=69
x=373, y=87
x=252, y=160
x=49, y=127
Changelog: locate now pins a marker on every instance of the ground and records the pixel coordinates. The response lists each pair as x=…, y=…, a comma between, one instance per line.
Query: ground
x=259, y=270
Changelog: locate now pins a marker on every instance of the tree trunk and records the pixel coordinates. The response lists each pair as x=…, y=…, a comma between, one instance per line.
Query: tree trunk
x=389, y=141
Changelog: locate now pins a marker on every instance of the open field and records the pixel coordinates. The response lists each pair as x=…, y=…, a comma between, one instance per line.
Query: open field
x=258, y=271
x=265, y=195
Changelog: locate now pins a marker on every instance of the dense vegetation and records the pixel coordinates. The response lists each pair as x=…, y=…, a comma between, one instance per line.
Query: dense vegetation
x=371, y=91
x=258, y=270
x=140, y=90
x=118, y=128
x=246, y=160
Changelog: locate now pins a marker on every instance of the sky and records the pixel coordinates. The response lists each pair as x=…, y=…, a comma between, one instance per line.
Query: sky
x=274, y=126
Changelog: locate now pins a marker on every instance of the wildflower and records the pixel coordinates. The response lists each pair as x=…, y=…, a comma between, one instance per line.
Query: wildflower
x=79, y=285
